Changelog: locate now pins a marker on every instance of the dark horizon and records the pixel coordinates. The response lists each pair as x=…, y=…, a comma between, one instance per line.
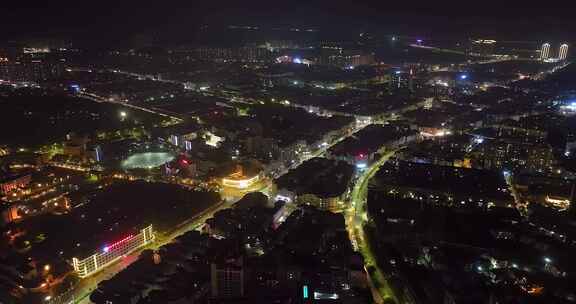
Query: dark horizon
x=177, y=22
x=306, y=152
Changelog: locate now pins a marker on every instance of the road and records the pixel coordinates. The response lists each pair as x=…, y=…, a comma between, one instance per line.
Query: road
x=321, y=150
x=87, y=285
x=519, y=203
x=357, y=212
x=100, y=99
x=356, y=217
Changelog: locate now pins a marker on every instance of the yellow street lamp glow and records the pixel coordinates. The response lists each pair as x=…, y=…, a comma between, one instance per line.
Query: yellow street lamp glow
x=240, y=183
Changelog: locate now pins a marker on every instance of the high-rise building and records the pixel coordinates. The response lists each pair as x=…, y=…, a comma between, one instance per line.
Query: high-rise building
x=95, y=153
x=227, y=279
x=545, y=51
x=563, y=52
x=402, y=79
x=482, y=47
x=28, y=68
x=232, y=54
x=572, y=207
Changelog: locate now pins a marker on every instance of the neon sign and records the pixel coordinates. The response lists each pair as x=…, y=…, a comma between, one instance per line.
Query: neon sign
x=108, y=247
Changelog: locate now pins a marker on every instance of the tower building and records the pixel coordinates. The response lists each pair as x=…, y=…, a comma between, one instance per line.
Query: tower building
x=563, y=52
x=545, y=51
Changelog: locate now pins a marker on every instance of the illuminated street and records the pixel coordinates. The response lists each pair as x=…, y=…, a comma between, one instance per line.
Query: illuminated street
x=356, y=218
x=230, y=196
x=90, y=283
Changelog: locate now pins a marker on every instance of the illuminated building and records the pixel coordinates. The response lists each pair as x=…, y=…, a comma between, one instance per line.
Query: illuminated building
x=111, y=253
x=295, y=60
x=435, y=132
x=482, y=47
x=30, y=67
x=219, y=54
x=183, y=139
x=563, y=52
x=181, y=165
x=345, y=58
x=95, y=153
x=327, y=52
x=400, y=79
x=560, y=203
x=174, y=140
x=12, y=183
x=322, y=201
x=545, y=51
x=9, y=214
x=282, y=214
x=213, y=140
x=239, y=181
x=35, y=50
x=499, y=155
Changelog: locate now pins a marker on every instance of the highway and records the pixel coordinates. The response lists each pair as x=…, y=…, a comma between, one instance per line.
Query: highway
x=356, y=217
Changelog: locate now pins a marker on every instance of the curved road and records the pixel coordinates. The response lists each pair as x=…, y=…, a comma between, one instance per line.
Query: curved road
x=356, y=218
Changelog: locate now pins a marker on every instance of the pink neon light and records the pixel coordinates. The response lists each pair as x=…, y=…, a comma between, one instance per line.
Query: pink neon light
x=108, y=247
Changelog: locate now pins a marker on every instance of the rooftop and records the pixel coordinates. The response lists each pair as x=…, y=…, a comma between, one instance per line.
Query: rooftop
x=474, y=183
x=112, y=214
x=320, y=176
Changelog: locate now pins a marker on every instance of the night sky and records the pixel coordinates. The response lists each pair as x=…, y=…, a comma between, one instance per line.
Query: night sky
x=110, y=21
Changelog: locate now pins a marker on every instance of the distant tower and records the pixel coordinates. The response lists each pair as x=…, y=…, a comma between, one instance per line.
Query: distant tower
x=545, y=51
x=572, y=208
x=563, y=53
x=411, y=81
